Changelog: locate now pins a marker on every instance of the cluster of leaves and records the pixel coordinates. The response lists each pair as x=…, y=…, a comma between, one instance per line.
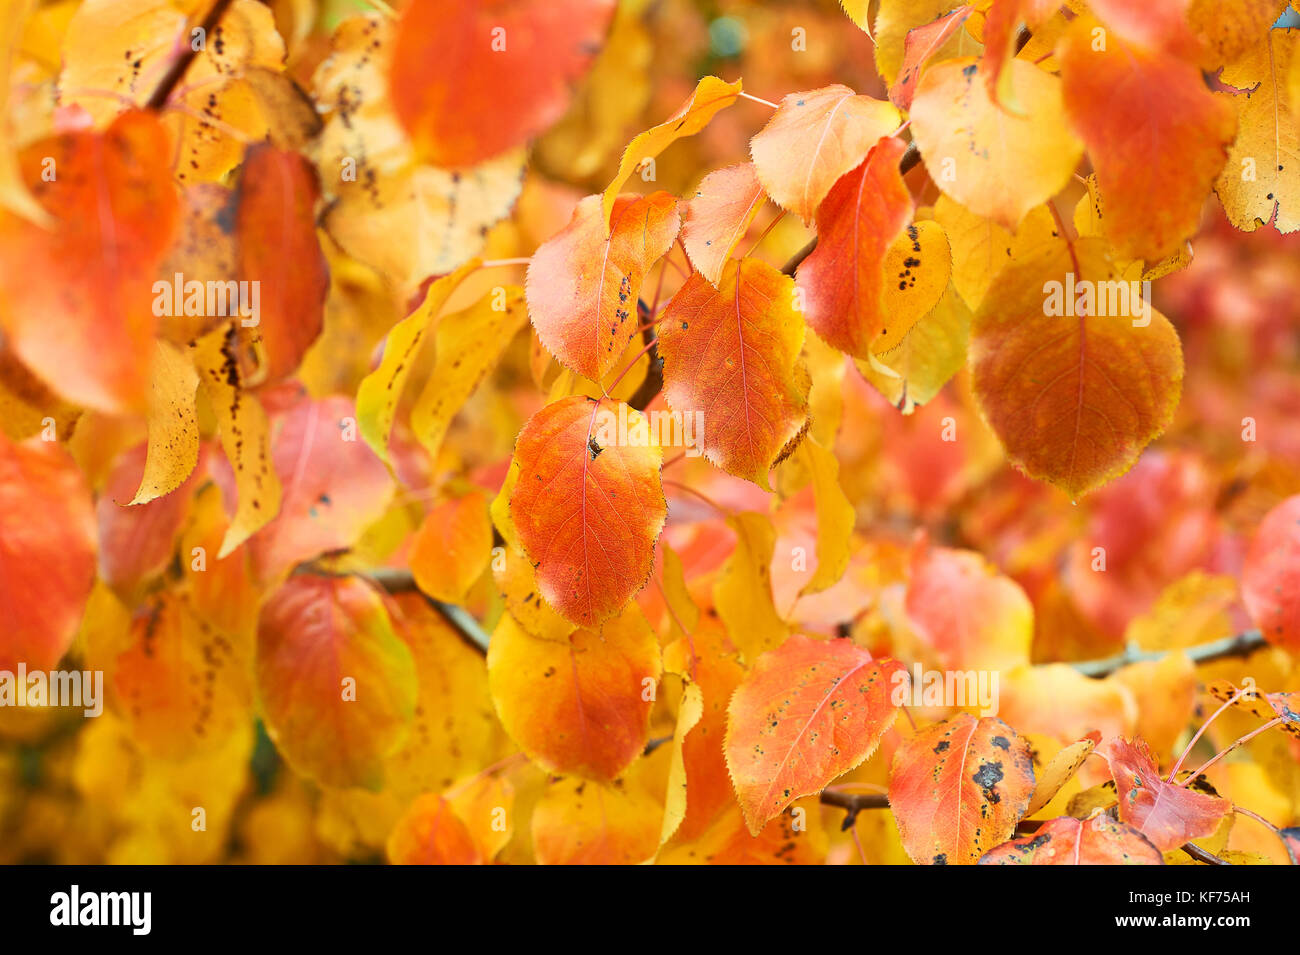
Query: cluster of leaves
x=284, y=536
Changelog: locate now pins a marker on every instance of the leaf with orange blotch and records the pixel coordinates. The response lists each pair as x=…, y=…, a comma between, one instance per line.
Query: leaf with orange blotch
x=583, y=283
x=1254, y=187
x=579, y=822
x=843, y=279
x=732, y=354
x=1059, y=771
x=742, y=591
x=334, y=486
x=1167, y=814
x=1097, y=840
x=47, y=552
x=136, y=541
x=919, y=46
x=471, y=79
x=468, y=345
x=452, y=547
x=807, y=712
x=958, y=788
x=75, y=300
x=245, y=433
x=718, y=215
x=173, y=424
x=968, y=614
x=182, y=686
x=711, y=95
x=1157, y=138
x=576, y=705
x=336, y=684
x=1266, y=706
x=996, y=164
x=587, y=505
x=1103, y=385
x=1001, y=32
x=838, y=124
x=381, y=390
x=275, y=224
x=430, y=833
x=1270, y=577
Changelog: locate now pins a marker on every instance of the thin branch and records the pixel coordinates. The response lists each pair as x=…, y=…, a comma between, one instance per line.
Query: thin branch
x=178, y=69
x=1241, y=645
x=458, y=618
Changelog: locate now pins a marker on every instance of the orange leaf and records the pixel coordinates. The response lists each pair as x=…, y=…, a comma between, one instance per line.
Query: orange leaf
x=996, y=164
x=430, y=833
x=576, y=705
x=1166, y=814
x=842, y=280
x=1098, y=840
x=718, y=215
x=1270, y=577
x=469, y=79
x=1267, y=706
x=1102, y=385
x=813, y=139
x=1001, y=29
x=920, y=44
x=968, y=613
x=588, y=508
x=732, y=354
x=959, y=787
x=584, y=823
x=808, y=711
x=583, y=284
x=75, y=300
x=452, y=547
x=275, y=223
x=47, y=552
x=1156, y=135
x=337, y=685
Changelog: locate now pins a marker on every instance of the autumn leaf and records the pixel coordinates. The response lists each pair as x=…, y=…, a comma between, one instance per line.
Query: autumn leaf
x=1104, y=385
x=173, y=424
x=920, y=44
x=742, y=592
x=996, y=164
x=337, y=685
x=47, y=552
x=577, y=705
x=1059, y=771
x=807, y=712
x=1166, y=814
x=1269, y=575
x=843, y=279
x=711, y=95
x=1266, y=706
x=381, y=390
x=76, y=300
x=732, y=353
x=469, y=80
x=1259, y=183
x=718, y=215
x=583, y=283
x=452, y=547
x=587, y=507
x=958, y=788
x=430, y=833
x=1157, y=147
x=1097, y=840
x=842, y=127
x=579, y=822
x=1001, y=32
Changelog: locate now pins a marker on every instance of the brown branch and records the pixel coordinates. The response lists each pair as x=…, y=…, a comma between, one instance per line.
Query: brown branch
x=1240, y=645
x=403, y=582
x=158, y=98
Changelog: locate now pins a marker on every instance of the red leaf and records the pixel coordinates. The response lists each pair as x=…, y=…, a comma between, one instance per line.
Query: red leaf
x=1270, y=578
x=922, y=43
x=1166, y=814
x=1099, y=840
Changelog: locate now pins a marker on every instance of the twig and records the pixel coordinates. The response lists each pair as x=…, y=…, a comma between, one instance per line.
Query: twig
x=158, y=98
x=458, y=618
x=1241, y=645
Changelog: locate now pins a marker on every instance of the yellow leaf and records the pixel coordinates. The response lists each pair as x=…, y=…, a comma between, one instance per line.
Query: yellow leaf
x=173, y=424
x=835, y=516
x=743, y=590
